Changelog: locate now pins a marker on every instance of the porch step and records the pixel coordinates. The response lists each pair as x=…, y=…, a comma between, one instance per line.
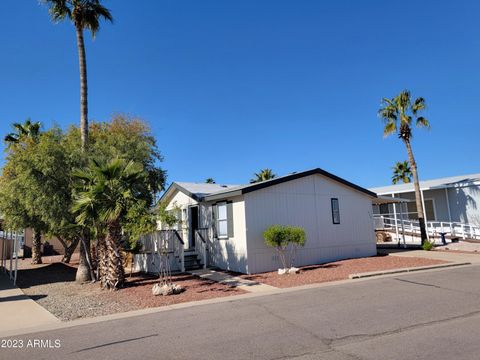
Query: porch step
x=192, y=261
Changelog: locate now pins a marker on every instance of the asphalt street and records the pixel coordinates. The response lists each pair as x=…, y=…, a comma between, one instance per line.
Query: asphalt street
x=427, y=315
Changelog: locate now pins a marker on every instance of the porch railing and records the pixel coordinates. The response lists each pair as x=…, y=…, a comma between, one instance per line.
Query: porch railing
x=162, y=241
x=434, y=228
x=201, y=244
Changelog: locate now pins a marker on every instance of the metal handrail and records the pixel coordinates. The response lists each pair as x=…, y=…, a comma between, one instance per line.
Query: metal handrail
x=455, y=228
x=200, y=235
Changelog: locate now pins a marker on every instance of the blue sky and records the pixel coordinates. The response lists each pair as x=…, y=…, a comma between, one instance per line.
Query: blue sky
x=230, y=87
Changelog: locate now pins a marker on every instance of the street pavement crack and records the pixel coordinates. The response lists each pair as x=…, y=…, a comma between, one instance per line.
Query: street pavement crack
x=434, y=286
x=357, y=338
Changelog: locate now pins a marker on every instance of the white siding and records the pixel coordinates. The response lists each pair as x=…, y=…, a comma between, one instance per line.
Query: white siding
x=182, y=201
x=231, y=253
x=306, y=202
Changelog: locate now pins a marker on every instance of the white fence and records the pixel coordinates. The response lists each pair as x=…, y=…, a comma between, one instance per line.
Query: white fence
x=434, y=228
x=10, y=245
x=166, y=243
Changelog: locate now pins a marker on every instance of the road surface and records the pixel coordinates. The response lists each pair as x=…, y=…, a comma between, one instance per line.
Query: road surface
x=428, y=315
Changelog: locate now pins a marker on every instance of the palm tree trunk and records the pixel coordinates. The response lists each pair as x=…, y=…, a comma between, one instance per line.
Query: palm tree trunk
x=36, y=247
x=115, y=272
x=418, y=196
x=102, y=262
x=83, y=89
x=83, y=272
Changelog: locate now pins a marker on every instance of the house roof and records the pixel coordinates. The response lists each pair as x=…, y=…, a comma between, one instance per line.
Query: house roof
x=211, y=192
x=442, y=183
x=198, y=191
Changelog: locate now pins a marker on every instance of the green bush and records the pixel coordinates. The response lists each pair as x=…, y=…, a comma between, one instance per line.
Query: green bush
x=275, y=236
x=280, y=237
x=427, y=245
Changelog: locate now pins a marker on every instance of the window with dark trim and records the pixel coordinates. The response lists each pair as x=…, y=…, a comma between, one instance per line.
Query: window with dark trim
x=335, y=211
x=222, y=220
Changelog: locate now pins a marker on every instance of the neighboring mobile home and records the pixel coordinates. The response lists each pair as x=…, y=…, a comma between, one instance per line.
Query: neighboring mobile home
x=450, y=199
x=336, y=215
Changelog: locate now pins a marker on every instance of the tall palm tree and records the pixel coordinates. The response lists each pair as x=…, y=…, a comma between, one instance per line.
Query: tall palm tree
x=84, y=14
x=210, y=181
x=104, y=198
x=264, y=174
x=402, y=172
x=399, y=115
x=28, y=129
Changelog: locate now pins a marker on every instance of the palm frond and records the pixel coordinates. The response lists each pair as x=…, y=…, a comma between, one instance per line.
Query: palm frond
x=418, y=105
x=423, y=122
x=390, y=128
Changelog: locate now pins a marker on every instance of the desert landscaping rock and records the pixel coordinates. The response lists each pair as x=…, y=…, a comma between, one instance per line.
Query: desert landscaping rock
x=52, y=285
x=339, y=270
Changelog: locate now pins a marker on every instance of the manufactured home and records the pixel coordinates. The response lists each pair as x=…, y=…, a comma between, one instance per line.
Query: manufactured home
x=451, y=205
x=222, y=225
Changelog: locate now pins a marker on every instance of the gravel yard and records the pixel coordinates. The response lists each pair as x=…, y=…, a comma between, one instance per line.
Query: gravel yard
x=339, y=270
x=52, y=285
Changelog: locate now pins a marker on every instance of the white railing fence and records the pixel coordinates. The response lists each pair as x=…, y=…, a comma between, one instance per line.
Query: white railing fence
x=164, y=242
x=10, y=245
x=434, y=228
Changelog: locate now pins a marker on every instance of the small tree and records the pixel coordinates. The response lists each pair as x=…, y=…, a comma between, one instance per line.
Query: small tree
x=285, y=239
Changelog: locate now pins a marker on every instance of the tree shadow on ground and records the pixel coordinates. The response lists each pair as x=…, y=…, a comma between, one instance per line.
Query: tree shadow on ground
x=52, y=273
x=140, y=279
x=21, y=297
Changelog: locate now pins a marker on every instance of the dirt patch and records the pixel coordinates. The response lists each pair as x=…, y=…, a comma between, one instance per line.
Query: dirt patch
x=53, y=286
x=339, y=270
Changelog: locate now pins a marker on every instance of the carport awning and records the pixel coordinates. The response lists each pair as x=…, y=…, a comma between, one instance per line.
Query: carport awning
x=388, y=200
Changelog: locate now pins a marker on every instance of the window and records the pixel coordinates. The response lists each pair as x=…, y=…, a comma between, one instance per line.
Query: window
x=222, y=221
x=335, y=211
x=429, y=210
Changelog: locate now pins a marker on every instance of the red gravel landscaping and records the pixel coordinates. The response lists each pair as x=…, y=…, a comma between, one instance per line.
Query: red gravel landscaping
x=53, y=286
x=339, y=270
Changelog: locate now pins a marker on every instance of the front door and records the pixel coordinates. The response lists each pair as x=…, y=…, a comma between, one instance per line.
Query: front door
x=193, y=225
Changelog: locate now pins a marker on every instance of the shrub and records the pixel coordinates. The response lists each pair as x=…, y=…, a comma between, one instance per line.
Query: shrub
x=427, y=245
x=283, y=239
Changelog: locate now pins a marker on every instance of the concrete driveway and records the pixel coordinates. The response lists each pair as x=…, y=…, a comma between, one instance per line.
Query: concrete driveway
x=429, y=315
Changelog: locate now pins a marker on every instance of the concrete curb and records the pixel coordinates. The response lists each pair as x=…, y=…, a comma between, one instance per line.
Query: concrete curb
x=405, y=270
x=225, y=299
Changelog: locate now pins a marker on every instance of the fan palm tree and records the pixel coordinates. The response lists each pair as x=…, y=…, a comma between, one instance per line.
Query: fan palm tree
x=84, y=14
x=209, y=181
x=28, y=129
x=402, y=172
x=264, y=174
x=400, y=114
x=106, y=194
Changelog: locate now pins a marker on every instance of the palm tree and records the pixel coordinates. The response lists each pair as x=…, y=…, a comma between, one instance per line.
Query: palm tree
x=264, y=174
x=107, y=192
x=84, y=14
x=402, y=172
x=209, y=181
x=28, y=129
x=399, y=114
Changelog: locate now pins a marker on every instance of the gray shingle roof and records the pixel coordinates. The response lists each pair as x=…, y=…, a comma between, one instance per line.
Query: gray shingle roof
x=452, y=181
x=202, y=191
